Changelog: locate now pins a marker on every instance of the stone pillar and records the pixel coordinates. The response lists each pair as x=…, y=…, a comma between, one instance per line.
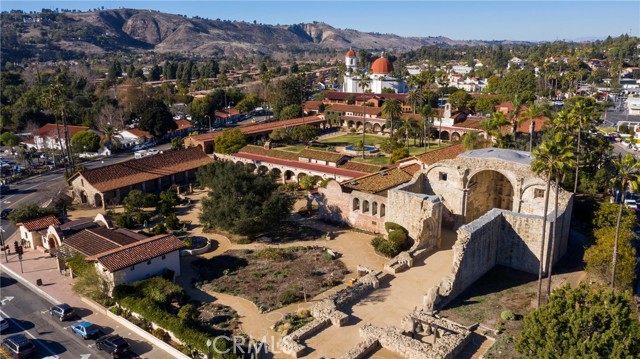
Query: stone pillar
x=104, y=204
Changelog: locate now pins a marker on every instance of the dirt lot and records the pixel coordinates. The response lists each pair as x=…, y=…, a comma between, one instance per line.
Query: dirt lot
x=272, y=277
x=499, y=290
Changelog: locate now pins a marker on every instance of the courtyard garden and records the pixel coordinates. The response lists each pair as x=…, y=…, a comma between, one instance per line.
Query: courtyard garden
x=273, y=277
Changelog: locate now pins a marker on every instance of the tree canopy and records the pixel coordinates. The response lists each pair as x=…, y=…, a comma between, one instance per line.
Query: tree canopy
x=584, y=322
x=154, y=117
x=231, y=141
x=31, y=210
x=240, y=201
x=10, y=139
x=85, y=141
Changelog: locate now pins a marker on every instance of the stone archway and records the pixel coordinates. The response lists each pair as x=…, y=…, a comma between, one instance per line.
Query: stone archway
x=289, y=176
x=83, y=197
x=251, y=167
x=52, y=243
x=486, y=190
x=263, y=170
x=455, y=137
x=377, y=128
x=444, y=136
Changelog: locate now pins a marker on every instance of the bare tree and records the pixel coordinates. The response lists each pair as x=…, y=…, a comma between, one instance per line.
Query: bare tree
x=111, y=115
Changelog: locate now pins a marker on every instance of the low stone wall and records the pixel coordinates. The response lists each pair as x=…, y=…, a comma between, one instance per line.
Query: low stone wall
x=141, y=332
x=450, y=338
x=394, y=340
x=362, y=350
x=194, y=252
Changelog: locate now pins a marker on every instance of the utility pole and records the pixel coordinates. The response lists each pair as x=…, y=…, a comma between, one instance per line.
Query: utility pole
x=4, y=247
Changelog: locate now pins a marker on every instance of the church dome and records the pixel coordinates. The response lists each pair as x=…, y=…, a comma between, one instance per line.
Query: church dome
x=350, y=53
x=381, y=66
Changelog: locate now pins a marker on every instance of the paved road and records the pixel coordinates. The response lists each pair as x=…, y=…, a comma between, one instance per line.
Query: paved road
x=40, y=189
x=27, y=314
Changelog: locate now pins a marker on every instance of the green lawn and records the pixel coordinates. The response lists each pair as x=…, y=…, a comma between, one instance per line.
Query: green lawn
x=354, y=138
x=418, y=150
x=380, y=161
x=298, y=148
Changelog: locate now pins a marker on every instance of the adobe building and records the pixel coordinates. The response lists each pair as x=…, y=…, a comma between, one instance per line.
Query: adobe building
x=106, y=185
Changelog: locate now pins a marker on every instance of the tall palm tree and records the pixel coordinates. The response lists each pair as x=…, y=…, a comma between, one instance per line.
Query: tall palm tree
x=415, y=98
x=427, y=113
x=627, y=175
x=531, y=113
x=110, y=136
x=55, y=100
x=563, y=164
x=364, y=83
x=408, y=125
x=392, y=109
x=493, y=126
x=265, y=78
x=545, y=163
x=583, y=114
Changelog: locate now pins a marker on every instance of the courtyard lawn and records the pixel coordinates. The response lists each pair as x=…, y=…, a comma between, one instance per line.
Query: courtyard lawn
x=354, y=138
x=271, y=277
x=298, y=148
x=380, y=161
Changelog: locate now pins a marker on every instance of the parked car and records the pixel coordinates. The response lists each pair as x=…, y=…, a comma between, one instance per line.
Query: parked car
x=631, y=203
x=62, y=311
x=19, y=346
x=4, y=324
x=5, y=213
x=87, y=330
x=114, y=344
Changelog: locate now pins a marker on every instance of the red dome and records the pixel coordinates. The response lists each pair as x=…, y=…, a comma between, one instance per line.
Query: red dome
x=351, y=53
x=381, y=66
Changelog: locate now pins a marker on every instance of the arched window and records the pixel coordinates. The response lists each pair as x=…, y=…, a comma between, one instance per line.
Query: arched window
x=382, y=210
x=356, y=204
x=374, y=208
x=365, y=206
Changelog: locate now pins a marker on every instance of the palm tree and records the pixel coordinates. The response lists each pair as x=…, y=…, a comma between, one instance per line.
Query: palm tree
x=54, y=99
x=627, y=169
x=265, y=77
x=582, y=114
x=110, y=135
x=363, y=82
x=415, y=98
x=408, y=125
x=427, y=113
x=493, y=126
x=392, y=109
x=564, y=162
x=531, y=113
x=546, y=156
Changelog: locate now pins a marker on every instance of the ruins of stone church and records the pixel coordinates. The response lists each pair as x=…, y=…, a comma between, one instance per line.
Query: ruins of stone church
x=490, y=197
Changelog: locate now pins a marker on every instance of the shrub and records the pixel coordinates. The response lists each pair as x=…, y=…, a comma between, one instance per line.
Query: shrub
x=159, y=229
x=188, y=241
x=188, y=313
x=125, y=220
x=291, y=295
x=507, y=315
x=161, y=334
x=172, y=222
x=327, y=256
x=398, y=237
x=386, y=247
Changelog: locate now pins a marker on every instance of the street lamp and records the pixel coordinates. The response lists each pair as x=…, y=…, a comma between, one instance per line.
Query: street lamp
x=209, y=118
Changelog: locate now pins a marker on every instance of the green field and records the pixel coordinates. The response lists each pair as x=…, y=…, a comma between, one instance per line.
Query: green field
x=354, y=138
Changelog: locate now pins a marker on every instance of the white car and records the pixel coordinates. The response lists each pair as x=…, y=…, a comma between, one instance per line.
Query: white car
x=631, y=203
x=4, y=324
x=152, y=152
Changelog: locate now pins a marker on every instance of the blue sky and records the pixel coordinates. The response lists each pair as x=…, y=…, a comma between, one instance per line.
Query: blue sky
x=461, y=20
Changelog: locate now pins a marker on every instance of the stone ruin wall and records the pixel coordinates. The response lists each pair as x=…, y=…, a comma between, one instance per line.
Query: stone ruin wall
x=419, y=214
x=336, y=207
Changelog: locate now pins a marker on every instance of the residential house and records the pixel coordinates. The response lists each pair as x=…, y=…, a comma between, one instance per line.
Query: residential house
x=31, y=231
x=110, y=184
x=56, y=233
x=133, y=136
x=52, y=136
x=140, y=260
x=227, y=116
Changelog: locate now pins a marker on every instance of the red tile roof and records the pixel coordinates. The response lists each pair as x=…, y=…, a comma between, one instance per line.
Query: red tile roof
x=37, y=224
x=183, y=124
x=139, y=133
x=303, y=165
x=445, y=153
x=51, y=130
x=377, y=111
x=334, y=95
x=539, y=124
x=275, y=153
x=91, y=242
x=312, y=105
x=138, y=252
x=136, y=171
x=321, y=155
x=379, y=182
x=361, y=166
x=469, y=123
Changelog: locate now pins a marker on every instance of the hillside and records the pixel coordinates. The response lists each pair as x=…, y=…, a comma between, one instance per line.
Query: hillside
x=128, y=30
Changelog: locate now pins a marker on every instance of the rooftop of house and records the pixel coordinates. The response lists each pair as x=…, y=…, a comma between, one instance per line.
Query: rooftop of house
x=138, y=252
x=539, y=123
x=136, y=171
x=335, y=95
x=369, y=110
x=183, y=124
x=41, y=223
x=275, y=153
x=444, y=153
x=361, y=166
x=520, y=157
x=138, y=132
x=51, y=130
x=93, y=241
x=263, y=127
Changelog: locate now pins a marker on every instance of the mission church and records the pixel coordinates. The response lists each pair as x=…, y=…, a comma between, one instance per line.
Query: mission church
x=377, y=80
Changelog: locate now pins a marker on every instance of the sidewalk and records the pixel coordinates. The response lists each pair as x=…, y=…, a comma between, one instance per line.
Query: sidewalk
x=56, y=288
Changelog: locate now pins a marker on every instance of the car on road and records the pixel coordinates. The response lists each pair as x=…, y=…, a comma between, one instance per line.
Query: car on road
x=62, y=311
x=4, y=324
x=5, y=213
x=86, y=330
x=631, y=203
x=114, y=344
x=19, y=346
